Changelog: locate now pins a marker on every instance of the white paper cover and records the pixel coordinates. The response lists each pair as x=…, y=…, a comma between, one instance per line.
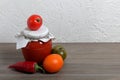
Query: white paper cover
x=21, y=41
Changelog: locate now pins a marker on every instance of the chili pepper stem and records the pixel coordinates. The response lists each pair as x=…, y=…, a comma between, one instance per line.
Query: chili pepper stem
x=37, y=68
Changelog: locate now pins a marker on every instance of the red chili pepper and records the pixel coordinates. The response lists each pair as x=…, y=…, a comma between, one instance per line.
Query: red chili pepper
x=27, y=66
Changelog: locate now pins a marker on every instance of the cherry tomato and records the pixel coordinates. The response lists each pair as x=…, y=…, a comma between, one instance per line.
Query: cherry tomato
x=58, y=49
x=34, y=22
x=53, y=63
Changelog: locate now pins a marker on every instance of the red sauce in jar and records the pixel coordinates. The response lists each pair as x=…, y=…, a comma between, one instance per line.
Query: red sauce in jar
x=37, y=51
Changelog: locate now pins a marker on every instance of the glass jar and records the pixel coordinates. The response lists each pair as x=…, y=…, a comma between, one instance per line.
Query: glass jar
x=37, y=51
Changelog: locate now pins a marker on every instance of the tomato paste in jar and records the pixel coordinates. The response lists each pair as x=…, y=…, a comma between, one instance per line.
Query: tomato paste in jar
x=37, y=51
x=35, y=40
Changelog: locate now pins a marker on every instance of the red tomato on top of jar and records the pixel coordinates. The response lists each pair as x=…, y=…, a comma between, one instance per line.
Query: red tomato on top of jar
x=34, y=22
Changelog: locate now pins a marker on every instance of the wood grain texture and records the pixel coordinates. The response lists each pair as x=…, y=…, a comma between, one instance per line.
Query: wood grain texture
x=85, y=61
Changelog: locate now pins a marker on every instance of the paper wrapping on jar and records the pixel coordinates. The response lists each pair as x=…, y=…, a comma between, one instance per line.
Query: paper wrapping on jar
x=21, y=40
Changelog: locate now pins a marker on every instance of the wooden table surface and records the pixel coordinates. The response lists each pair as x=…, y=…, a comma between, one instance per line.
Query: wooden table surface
x=85, y=61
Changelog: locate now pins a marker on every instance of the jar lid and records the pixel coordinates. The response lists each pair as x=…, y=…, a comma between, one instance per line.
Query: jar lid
x=27, y=35
x=42, y=32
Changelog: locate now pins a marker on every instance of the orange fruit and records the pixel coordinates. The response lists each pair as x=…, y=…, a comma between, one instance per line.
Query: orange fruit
x=53, y=63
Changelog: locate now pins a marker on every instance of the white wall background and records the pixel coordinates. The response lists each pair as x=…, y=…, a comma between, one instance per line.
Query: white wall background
x=68, y=20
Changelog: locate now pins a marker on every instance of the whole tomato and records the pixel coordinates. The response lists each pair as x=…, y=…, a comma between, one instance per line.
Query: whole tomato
x=58, y=49
x=53, y=63
x=34, y=22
